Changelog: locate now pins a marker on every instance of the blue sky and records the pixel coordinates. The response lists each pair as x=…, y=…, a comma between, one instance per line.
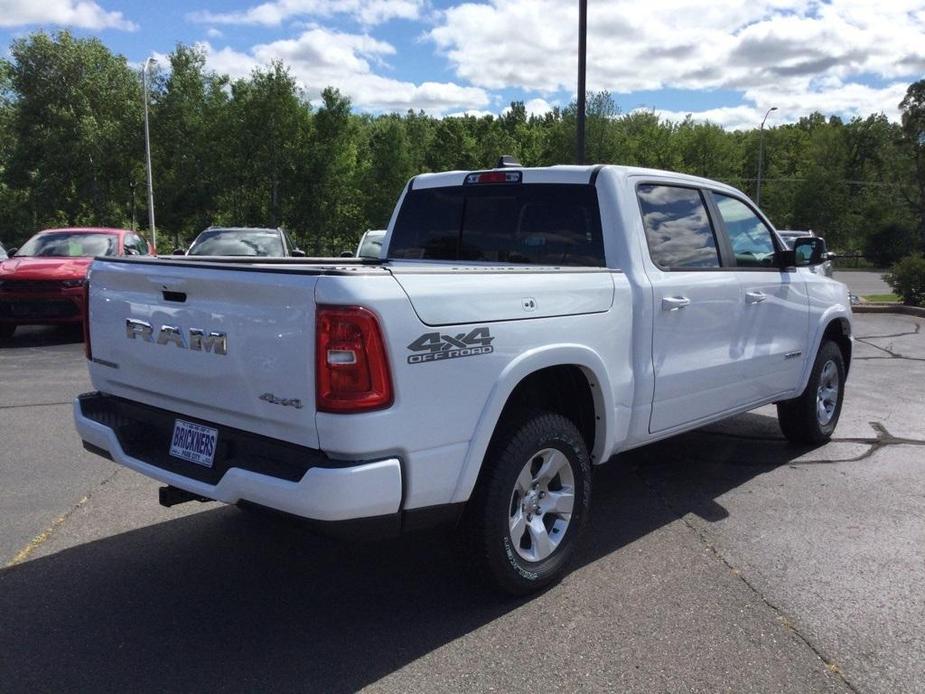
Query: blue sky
x=726, y=61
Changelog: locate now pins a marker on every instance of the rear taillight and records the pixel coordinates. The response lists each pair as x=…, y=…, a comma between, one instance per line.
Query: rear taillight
x=86, y=319
x=352, y=371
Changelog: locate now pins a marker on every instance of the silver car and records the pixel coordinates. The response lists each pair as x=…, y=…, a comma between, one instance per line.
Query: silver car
x=244, y=241
x=370, y=245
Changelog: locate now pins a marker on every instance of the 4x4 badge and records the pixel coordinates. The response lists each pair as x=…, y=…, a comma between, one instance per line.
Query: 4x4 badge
x=437, y=346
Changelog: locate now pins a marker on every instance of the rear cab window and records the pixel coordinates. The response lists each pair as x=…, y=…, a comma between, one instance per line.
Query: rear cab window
x=532, y=224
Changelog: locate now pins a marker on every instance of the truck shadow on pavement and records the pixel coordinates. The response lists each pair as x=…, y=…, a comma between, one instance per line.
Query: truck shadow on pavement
x=221, y=600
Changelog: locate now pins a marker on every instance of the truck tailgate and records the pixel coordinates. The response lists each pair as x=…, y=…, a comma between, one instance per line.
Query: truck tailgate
x=263, y=383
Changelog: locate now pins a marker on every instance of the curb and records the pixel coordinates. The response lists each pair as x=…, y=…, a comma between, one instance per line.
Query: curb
x=889, y=308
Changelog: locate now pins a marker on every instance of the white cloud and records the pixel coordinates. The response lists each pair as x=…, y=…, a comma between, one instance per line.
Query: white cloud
x=533, y=107
x=847, y=100
x=274, y=13
x=214, y=33
x=83, y=14
x=321, y=57
x=729, y=117
x=790, y=52
x=475, y=113
x=538, y=107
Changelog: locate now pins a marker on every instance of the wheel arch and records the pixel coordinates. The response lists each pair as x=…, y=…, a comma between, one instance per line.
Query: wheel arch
x=839, y=331
x=547, y=374
x=835, y=324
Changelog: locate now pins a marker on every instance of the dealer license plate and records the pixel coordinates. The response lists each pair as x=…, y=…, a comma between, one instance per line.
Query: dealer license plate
x=193, y=442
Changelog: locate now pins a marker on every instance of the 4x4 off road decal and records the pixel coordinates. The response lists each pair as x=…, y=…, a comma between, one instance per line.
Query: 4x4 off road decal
x=436, y=346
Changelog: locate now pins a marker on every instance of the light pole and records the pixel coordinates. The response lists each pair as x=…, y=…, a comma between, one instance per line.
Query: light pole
x=144, y=80
x=582, y=60
x=761, y=154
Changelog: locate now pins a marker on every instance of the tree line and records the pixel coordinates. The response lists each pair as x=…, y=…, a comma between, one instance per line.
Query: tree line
x=255, y=152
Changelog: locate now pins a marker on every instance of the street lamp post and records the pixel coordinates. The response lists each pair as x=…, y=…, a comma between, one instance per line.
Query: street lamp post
x=144, y=79
x=582, y=61
x=761, y=154
x=131, y=185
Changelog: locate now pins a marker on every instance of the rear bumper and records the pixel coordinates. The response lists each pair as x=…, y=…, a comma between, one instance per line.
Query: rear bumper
x=325, y=491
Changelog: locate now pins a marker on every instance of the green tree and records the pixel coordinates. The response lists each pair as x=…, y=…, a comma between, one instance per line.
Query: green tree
x=188, y=145
x=76, y=130
x=330, y=205
x=913, y=129
x=705, y=149
x=389, y=168
x=14, y=217
x=268, y=125
x=601, y=112
x=454, y=147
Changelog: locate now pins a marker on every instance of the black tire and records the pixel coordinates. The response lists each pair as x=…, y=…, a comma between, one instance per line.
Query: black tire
x=487, y=527
x=7, y=330
x=800, y=419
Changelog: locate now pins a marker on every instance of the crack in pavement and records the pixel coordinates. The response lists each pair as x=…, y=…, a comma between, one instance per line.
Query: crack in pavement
x=35, y=404
x=40, y=539
x=778, y=612
x=882, y=439
x=863, y=339
x=917, y=330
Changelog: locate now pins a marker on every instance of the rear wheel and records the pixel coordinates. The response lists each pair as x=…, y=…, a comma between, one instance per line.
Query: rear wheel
x=521, y=525
x=7, y=330
x=812, y=417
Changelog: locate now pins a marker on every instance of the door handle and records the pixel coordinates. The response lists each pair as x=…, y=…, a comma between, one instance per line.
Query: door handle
x=673, y=303
x=755, y=297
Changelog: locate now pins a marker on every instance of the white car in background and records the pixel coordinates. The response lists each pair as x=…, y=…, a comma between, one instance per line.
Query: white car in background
x=245, y=241
x=370, y=245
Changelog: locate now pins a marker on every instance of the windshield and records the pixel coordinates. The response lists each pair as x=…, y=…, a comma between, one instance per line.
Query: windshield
x=257, y=242
x=371, y=245
x=70, y=245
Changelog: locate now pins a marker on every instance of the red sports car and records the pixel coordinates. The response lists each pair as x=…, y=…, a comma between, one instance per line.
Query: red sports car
x=42, y=283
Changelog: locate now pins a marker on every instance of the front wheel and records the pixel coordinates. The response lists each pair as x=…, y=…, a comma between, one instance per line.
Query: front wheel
x=521, y=525
x=812, y=417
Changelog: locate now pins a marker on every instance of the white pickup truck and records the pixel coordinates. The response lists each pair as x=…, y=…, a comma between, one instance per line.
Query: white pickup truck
x=522, y=325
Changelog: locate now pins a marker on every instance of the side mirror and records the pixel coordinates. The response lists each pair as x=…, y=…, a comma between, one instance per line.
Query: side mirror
x=346, y=254
x=297, y=253
x=809, y=250
x=12, y=251
x=178, y=251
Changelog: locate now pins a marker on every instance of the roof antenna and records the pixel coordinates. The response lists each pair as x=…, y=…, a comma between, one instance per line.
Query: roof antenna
x=507, y=161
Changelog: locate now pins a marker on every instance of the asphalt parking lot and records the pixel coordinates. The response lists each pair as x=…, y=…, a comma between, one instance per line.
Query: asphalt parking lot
x=722, y=560
x=864, y=282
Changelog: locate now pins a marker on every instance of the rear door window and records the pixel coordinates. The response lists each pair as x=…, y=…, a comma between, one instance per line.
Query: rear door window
x=678, y=229
x=533, y=224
